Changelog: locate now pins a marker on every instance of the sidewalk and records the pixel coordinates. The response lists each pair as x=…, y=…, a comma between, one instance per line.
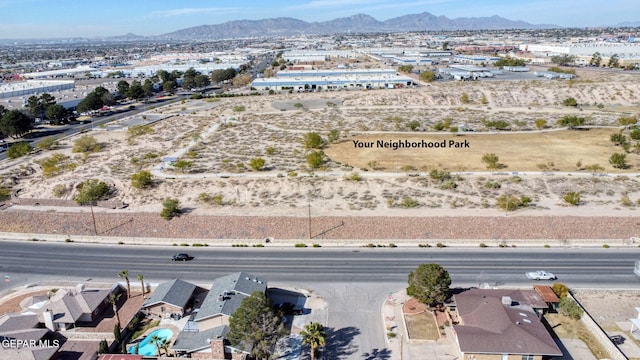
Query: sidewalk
x=404, y=348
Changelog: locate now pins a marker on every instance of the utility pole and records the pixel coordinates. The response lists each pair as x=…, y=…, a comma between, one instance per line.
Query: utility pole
x=309, y=217
x=93, y=217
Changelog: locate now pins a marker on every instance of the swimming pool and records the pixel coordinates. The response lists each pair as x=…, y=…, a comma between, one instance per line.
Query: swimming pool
x=146, y=348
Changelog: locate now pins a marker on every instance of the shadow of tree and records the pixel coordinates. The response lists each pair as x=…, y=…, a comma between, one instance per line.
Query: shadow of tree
x=339, y=342
x=377, y=354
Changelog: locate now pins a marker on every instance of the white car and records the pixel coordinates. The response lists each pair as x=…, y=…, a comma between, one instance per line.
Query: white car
x=540, y=275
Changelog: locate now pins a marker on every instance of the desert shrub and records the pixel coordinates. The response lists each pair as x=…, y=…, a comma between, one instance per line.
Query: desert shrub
x=570, y=308
x=572, y=198
x=483, y=245
x=170, y=208
x=92, y=190
x=17, y=150
x=48, y=143
x=139, y=130
x=300, y=245
x=86, y=144
x=142, y=180
x=354, y=176
x=408, y=202
x=441, y=245
x=59, y=190
x=316, y=245
x=511, y=202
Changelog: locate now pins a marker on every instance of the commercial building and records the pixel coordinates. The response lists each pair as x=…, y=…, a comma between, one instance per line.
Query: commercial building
x=317, y=80
x=32, y=87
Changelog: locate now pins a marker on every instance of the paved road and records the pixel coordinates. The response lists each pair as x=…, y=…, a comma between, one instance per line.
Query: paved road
x=355, y=281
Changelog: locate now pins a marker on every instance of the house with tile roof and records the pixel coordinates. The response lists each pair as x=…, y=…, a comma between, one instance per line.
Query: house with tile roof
x=502, y=324
x=170, y=299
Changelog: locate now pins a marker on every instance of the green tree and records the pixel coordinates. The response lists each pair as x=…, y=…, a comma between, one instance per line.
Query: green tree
x=169, y=86
x=142, y=179
x=429, y=283
x=92, y=190
x=15, y=123
x=428, y=76
x=155, y=341
x=618, y=160
x=572, y=198
x=86, y=144
x=561, y=290
x=113, y=300
x=570, y=102
x=124, y=274
x=103, y=347
x=148, y=89
x=614, y=61
x=313, y=140
x=140, y=278
x=255, y=323
x=405, y=68
x=491, y=161
x=570, y=308
x=257, y=163
x=314, y=336
x=596, y=59
x=315, y=159
x=170, y=209
x=563, y=60
x=136, y=91
x=92, y=101
x=56, y=113
x=509, y=61
x=123, y=87
x=19, y=149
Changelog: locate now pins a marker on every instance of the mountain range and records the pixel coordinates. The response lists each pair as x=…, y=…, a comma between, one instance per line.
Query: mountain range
x=359, y=23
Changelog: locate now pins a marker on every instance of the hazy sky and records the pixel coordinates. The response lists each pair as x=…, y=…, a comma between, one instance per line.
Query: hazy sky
x=91, y=18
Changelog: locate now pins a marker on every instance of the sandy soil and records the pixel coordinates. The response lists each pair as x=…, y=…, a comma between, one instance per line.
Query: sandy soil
x=221, y=136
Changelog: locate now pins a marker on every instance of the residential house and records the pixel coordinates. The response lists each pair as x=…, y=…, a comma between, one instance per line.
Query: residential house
x=68, y=307
x=204, y=335
x=170, y=299
x=22, y=339
x=502, y=325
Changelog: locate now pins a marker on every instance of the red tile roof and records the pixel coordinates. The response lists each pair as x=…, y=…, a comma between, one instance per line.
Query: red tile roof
x=546, y=293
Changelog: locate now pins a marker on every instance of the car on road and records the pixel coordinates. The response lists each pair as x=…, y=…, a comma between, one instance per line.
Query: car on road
x=617, y=339
x=540, y=275
x=181, y=257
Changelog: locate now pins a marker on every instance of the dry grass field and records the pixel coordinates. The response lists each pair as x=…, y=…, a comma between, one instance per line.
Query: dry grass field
x=522, y=151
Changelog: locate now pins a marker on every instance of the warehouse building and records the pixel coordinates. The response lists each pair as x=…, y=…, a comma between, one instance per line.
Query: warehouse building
x=318, y=80
x=32, y=87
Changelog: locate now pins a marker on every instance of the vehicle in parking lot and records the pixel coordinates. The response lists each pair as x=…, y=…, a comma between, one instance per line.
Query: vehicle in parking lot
x=182, y=257
x=540, y=275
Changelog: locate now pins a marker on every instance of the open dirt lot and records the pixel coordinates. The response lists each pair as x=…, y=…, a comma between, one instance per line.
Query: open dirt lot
x=218, y=138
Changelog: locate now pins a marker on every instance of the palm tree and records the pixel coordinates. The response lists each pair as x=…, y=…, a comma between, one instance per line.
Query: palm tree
x=315, y=336
x=164, y=345
x=125, y=275
x=141, y=278
x=113, y=300
x=156, y=341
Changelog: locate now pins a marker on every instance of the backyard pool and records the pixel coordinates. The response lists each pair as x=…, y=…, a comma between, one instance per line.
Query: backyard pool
x=146, y=348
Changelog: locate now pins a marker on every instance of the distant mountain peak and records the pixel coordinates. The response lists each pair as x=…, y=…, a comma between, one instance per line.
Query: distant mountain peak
x=363, y=23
